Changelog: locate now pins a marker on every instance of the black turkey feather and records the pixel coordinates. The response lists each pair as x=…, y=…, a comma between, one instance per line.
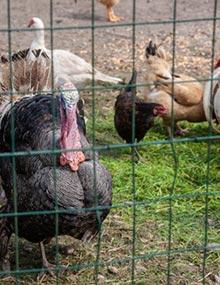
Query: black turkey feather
x=39, y=187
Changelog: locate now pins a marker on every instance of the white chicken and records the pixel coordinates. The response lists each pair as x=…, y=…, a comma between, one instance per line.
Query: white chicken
x=66, y=64
x=211, y=100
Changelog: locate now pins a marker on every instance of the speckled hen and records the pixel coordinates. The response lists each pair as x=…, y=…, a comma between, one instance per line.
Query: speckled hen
x=39, y=185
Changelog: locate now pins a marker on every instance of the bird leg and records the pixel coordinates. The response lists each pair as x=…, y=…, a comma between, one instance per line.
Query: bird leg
x=111, y=16
x=4, y=255
x=5, y=234
x=178, y=131
x=50, y=267
x=137, y=154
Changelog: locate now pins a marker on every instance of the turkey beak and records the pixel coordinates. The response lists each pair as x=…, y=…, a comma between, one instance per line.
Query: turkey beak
x=30, y=23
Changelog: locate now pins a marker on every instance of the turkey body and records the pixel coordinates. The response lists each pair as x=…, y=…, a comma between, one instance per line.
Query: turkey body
x=40, y=186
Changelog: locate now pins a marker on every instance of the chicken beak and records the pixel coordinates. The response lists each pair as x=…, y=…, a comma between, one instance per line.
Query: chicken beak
x=159, y=111
x=30, y=23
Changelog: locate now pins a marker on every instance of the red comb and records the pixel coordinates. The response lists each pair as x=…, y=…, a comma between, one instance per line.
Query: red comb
x=30, y=23
x=218, y=63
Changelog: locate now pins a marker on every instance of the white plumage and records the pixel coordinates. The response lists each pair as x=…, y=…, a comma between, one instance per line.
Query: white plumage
x=212, y=91
x=66, y=64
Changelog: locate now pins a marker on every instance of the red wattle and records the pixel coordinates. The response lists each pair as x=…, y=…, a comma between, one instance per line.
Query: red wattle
x=70, y=138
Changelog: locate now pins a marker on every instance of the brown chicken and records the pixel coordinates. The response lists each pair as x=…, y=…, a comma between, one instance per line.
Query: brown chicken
x=164, y=86
x=144, y=113
x=110, y=13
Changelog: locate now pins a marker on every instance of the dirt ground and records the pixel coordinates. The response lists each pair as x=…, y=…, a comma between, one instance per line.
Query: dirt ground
x=114, y=42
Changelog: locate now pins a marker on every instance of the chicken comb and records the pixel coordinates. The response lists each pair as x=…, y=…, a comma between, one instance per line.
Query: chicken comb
x=217, y=63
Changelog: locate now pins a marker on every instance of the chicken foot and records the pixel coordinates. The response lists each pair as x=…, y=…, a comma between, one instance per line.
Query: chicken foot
x=178, y=131
x=137, y=156
x=111, y=16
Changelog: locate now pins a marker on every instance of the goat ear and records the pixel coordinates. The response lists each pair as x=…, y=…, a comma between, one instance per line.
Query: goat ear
x=162, y=53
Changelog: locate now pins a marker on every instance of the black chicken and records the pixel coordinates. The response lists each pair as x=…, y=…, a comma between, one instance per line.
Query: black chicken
x=40, y=185
x=144, y=113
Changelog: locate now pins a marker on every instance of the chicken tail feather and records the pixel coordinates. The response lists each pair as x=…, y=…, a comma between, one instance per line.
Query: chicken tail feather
x=131, y=87
x=151, y=49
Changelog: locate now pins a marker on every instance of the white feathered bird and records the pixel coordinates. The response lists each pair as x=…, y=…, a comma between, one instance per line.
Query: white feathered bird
x=212, y=94
x=66, y=64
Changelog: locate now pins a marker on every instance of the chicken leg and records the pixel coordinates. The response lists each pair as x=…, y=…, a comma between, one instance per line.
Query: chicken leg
x=137, y=155
x=111, y=16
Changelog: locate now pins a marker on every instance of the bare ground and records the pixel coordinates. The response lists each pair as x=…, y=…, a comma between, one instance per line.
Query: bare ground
x=113, y=55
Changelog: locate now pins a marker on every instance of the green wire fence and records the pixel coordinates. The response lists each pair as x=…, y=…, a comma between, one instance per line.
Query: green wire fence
x=171, y=147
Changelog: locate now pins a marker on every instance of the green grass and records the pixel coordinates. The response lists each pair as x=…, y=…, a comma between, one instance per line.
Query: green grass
x=154, y=178
x=154, y=193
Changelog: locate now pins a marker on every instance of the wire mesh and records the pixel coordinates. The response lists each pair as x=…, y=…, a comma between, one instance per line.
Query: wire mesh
x=168, y=199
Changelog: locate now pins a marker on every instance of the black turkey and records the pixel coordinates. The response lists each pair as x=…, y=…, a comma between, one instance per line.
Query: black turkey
x=78, y=182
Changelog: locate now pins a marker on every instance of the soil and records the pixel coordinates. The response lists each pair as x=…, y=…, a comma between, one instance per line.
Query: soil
x=113, y=43
x=119, y=46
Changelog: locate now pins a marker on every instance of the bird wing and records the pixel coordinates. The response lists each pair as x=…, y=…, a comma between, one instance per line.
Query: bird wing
x=26, y=76
x=185, y=90
x=61, y=186
x=68, y=63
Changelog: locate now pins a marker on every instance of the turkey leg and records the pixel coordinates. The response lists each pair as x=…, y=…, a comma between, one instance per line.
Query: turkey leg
x=46, y=264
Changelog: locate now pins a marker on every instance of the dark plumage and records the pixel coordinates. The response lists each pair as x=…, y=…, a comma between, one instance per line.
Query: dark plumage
x=36, y=189
x=144, y=113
